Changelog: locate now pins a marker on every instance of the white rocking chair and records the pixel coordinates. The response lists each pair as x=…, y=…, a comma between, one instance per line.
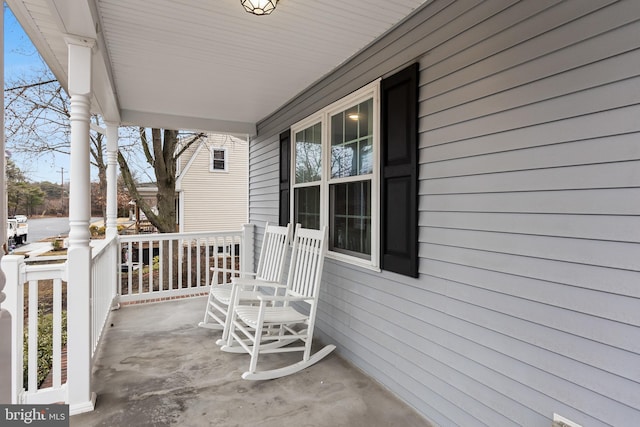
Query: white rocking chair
x=273, y=324
x=275, y=244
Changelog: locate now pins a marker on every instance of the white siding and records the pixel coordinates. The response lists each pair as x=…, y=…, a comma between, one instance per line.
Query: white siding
x=528, y=297
x=215, y=201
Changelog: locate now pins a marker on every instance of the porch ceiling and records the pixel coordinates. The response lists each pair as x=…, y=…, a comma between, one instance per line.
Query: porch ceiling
x=204, y=64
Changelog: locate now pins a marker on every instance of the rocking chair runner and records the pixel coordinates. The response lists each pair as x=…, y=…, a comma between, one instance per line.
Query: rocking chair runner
x=270, y=268
x=273, y=324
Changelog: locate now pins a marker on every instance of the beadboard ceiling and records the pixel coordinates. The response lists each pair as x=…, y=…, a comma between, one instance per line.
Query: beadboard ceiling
x=204, y=64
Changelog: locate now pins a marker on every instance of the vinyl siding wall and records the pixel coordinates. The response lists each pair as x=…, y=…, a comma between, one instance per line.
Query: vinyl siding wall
x=215, y=201
x=527, y=302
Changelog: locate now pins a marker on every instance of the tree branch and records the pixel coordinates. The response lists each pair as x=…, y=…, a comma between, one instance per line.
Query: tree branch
x=27, y=86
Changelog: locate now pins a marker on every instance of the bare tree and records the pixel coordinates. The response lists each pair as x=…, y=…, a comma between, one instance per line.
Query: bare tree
x=36, y=115
x=37, y=122
x=161, y=153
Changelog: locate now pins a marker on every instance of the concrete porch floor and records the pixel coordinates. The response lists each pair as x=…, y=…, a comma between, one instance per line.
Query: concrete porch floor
x=156, y=367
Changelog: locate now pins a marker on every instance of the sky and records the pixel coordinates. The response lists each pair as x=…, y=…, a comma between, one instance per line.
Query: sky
x=21, y=57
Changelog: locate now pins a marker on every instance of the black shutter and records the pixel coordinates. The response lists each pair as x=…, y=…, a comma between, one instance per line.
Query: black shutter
x=285, y=171
x=399, y=173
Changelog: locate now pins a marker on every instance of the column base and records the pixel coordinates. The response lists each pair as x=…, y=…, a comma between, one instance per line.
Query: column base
x=79, y=408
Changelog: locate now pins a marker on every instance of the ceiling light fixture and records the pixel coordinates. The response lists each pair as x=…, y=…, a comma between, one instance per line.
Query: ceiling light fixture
x=259, y=7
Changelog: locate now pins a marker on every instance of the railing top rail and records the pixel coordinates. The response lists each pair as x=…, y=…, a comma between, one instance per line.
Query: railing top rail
x=99, y=246
x=52, y=259
x=173, y=236
x=45, y=271
x=32, y=268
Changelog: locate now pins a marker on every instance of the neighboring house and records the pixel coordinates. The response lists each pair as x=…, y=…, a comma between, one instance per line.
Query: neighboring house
x=212, y=184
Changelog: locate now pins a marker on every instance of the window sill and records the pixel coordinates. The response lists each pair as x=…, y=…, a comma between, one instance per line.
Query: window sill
x=353, y=261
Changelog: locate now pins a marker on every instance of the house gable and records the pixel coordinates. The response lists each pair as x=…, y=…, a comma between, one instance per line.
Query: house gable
x=214, y=200
x=187, y=165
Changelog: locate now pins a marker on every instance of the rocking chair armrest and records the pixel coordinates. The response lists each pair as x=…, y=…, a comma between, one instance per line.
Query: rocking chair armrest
x=218, y=270
x=244, y=281
x=275, y=285
x=228, y=270
x=252, y=284
x=275, y=298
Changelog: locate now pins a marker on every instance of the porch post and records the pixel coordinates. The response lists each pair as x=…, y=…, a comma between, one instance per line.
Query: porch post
x=112, y=179
x=247, y=249
x=80, y=397
x=5, y=316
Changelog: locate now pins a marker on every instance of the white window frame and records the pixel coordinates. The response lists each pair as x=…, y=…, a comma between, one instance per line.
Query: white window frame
x=372, y=90
x=212, y=158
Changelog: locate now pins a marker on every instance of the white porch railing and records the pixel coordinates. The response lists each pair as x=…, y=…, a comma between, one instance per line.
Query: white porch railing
x=123, y=269
x=48, y=274
x=174, y=265
x=103, y=285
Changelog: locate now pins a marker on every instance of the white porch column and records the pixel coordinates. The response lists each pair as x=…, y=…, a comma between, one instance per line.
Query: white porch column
x=112, y=179
x=5, y=317
x=81, y=398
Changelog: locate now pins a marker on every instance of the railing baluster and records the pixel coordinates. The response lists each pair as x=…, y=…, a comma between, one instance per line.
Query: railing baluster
x=57, y=333
x=140, y=266
x=161, y=245
x=180, y=259
x=130, y=267
x=207, y=267
x=150, y=261
x=170, y=245
x=189, y=283
x=198, y=264
x=233, y=256
x=33, y=337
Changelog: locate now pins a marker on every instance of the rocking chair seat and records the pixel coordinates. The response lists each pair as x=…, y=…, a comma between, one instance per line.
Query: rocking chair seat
x=274, y=315
x=223, y=292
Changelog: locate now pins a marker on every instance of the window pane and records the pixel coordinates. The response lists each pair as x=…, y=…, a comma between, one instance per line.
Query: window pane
x=351, y=124
x=350, y=218
x=218, y=160
x=366, y=118
x=309, y=154
x=366, y=156
x=343, y=161
x=352, y=141
x=307, y=206
x=337, y=128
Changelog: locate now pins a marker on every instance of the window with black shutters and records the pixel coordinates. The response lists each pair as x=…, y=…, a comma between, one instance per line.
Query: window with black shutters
x=353, y=167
